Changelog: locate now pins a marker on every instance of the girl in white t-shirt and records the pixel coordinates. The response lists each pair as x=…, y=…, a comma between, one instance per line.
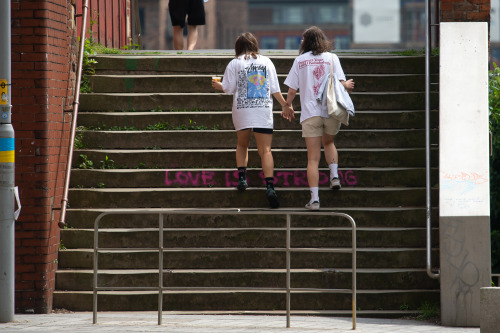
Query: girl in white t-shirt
x=308, y=74
x=251, y=78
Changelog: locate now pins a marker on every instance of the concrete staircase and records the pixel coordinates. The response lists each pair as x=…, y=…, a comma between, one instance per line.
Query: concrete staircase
x=158, y=136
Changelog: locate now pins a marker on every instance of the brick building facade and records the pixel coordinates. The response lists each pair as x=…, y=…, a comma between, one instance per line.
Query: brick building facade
x=43, y=74
x=44, y=52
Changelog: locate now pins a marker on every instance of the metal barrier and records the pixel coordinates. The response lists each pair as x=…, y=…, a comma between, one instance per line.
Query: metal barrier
x=288, y=249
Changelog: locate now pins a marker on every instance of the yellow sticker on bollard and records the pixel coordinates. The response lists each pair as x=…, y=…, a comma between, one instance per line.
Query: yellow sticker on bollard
x=4, y=93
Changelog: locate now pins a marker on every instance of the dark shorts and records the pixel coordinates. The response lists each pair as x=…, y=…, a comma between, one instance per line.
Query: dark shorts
x=260, y=130
x=194, y=9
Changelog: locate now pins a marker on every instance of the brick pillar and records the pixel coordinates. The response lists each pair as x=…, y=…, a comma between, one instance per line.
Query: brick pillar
x=43, y=73
x=465, y=10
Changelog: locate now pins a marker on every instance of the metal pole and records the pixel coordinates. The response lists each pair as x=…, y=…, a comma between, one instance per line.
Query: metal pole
x=428, y=141
x=288, y=286
x=76, y=103
x=7, y=176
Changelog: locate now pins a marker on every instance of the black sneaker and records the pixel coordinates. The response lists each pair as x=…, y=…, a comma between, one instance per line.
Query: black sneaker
x=272, y=197
x=242, y=185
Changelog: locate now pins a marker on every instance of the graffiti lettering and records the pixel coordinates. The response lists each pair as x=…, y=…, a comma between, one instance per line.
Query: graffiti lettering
x=296, y=178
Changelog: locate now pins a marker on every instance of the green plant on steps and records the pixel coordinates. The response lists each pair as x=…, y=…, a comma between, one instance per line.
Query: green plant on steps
x=428, y=311
x=107, y=163
x=494, y=122
x=85, y=163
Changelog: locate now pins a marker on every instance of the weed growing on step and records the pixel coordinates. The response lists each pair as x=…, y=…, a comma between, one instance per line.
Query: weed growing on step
x=404, y=307
x=101, y=185
x=107, y=163
x=78, y=143
x=85, y=163
x=428, y=311
x=61, y=245
x=159, y=126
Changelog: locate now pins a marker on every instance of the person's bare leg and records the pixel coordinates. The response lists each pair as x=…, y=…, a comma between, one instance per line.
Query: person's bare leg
x=178, y=37
x=264, y=147
x=313, y=157
x=331, y=153
x=192, y=36
x=242, y=148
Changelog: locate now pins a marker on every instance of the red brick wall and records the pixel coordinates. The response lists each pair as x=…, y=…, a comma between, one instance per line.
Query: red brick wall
x=43, y=73
x=465, y=10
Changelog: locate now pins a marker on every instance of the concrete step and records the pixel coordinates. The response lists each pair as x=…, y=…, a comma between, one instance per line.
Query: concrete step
x=365, y=217
x=224, y=158
x=202, y=83
x=222, y=120
x=242, y=301
x=366, y=258
x=186, y=178
x=196, y=139
x=251, y=238
x=207, y=64
x=251, y=198
x=398, y=279
x=220, y=102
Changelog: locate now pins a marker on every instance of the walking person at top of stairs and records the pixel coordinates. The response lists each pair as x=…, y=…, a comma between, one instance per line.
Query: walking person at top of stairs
x=195, y=12
x=251, y=78
x=307, y=74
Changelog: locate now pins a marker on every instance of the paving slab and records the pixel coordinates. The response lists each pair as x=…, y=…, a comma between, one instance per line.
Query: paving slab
x=181, y=323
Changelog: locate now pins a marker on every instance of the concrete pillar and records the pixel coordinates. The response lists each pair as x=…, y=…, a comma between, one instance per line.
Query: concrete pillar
x=464, y=207
x=490, y=305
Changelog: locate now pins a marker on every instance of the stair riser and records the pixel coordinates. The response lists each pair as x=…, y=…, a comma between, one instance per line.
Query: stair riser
x=251, y=198
x=322, y=280
x=220, y=102
x=227, y=139
x=159, y=159
x=204, y=65
x=84, y=239
x=403, y=218
x=244, y=301
x=223, y=121
x=190, y=178
x=202, y=83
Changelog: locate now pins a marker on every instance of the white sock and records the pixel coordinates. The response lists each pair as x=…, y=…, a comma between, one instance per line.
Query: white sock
x=334, y=173
x=314, y=194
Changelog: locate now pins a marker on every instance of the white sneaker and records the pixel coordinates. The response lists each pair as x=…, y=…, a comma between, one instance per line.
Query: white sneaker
x=335, y=184
x=313, y=205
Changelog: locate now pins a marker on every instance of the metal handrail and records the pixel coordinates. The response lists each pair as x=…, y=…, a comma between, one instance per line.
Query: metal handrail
x=288, y=249
x=428, y=206
x=76, y=103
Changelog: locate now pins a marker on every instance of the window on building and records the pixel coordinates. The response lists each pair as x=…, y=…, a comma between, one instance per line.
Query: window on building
x=292, y=42
x=269, y=42
x=342, y=42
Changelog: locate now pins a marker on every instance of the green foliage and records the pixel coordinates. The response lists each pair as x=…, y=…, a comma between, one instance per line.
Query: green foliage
x=61, y=245
x=85, y=163
x=107, y=163
x=158, y=127
x=428, y=311
x=494, y=110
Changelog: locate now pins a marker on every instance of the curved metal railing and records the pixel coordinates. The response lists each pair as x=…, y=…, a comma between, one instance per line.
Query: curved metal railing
x=287, y=248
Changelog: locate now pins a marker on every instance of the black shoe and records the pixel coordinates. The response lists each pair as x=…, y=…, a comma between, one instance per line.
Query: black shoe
x=272, y=197
x=242, y=185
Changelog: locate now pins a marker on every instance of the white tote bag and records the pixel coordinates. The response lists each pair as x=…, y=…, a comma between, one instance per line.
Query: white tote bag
x=335, y=109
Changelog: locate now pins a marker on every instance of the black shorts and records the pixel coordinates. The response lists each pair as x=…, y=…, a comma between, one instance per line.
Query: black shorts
x=260, y=130
x=194, y=9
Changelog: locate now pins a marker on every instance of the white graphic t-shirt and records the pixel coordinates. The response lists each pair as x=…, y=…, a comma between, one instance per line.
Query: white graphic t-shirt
x=307, y=75
x=252, y=82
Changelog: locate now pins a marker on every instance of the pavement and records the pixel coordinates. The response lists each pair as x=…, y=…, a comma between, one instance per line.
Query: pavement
x=182, y=323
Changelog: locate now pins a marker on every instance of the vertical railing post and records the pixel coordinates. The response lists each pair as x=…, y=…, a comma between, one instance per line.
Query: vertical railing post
x=288, y=261
x=428, y=204
x=160, y=269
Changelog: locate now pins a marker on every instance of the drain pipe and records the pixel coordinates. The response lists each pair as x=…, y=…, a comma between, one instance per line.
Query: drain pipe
x=428, y=208
x=76, y=103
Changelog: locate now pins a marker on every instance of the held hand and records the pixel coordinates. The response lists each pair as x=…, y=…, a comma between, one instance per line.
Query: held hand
x=287, y=112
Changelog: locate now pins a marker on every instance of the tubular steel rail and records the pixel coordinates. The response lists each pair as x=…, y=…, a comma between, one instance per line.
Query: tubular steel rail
x=288, y=249
x=76, y=104
x=428, y=207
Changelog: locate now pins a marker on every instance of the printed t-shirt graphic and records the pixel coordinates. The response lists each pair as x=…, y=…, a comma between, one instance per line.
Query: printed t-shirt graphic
x=253, y=87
